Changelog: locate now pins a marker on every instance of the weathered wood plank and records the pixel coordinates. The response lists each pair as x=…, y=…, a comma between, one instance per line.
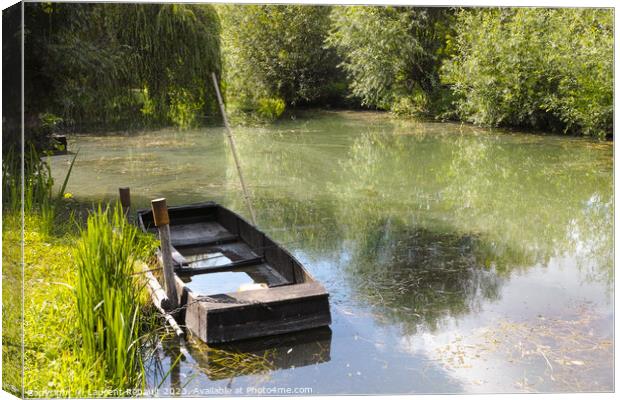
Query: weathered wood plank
x=195, y=317
x=280, y=293
x=231, y=332
x=199, y=233
x=301, y=276
x=279, y=259
x=228, y=220
x=252, y=236
x=178, y=258
x=258, y=313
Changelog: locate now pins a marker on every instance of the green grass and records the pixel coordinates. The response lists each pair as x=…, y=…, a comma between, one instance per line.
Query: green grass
x=53, y=365
x=11, y=306
x=37, y=189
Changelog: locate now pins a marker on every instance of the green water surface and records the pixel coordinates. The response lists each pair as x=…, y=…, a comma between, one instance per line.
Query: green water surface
x=458, y=259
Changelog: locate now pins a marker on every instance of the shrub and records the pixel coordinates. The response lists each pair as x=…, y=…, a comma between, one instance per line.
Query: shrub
x=391, y=55
x=277, y=51
x=538, y=68
x=270, y=108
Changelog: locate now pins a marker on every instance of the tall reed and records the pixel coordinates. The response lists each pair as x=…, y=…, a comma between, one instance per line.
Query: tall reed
x=37, y=186
x=108, y=297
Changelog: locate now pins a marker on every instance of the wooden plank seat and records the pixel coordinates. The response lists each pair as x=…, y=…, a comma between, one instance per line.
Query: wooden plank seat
x=193, y=269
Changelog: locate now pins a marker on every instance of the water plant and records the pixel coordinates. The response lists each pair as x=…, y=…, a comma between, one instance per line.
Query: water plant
x=108, y=298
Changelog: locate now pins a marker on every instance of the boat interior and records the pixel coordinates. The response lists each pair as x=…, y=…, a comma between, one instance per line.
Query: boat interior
x=216, y=251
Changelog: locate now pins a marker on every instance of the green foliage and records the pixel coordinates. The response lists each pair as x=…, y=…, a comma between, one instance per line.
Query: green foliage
x=274, y=51
x=177, y=47
x=37, y=188
x=85, y=62
x=539, y=68
x=50, y=121
x=391, y=55
x=53, y=366
x=184, y=108
x=108, y=304
x=270, y=109
x=123, y=65
x=75, y=67
x=56, y=363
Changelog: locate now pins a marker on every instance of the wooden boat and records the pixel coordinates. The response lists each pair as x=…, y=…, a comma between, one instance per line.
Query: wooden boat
x=233, y=281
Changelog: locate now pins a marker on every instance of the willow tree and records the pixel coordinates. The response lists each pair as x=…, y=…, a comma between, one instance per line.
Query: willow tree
x=277, y=51
x=392, y=55
x=175, y=49
x=74, y=66
x=548, y=69
x=97, y=65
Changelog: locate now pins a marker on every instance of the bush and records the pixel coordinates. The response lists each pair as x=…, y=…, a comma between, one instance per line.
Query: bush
x=277, y=51
x=547, y=69
x=392, y=55
x=270, y=108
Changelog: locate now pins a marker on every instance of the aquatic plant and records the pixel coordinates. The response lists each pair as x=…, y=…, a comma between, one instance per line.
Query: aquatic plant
x=221, y=363
x=108, y=302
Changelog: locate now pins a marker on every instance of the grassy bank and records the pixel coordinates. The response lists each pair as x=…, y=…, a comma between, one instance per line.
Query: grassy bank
x=11, y=306
x=87, y=317
x=79, y=340
x=53, y=366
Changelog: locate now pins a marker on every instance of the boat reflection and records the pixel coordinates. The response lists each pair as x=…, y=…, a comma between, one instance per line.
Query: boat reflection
x=265, y=354
x=249, y=357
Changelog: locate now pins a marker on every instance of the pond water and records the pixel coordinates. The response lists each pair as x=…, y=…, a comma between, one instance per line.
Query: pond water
x=458, y=259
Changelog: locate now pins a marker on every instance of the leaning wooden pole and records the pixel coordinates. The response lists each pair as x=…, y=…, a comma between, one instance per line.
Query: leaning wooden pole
x=162, y=221
x=233, y=148
x=160, y=300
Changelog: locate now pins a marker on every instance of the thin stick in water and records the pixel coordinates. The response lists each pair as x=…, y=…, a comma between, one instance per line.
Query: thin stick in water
x=233, y=148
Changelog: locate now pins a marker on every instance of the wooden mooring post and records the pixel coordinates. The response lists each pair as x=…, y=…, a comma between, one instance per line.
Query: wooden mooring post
x=162, y=221
x=125, y=197
x=158, y=295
